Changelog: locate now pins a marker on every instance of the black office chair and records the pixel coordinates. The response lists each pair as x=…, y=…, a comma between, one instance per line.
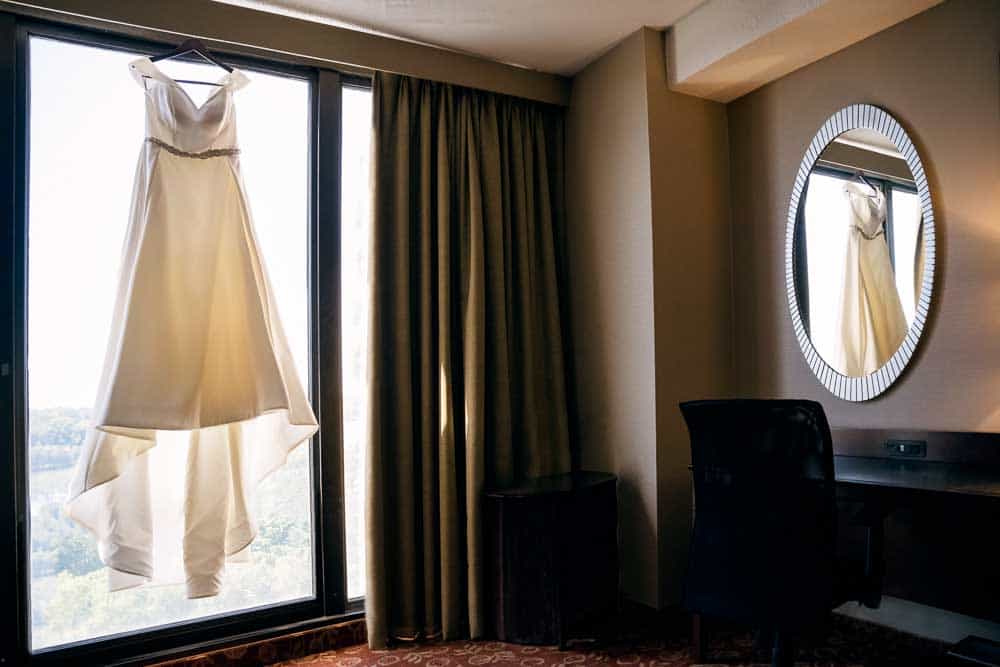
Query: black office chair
x=763, y=548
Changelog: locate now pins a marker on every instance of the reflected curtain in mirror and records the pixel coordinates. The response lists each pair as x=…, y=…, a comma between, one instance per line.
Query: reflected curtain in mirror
x=467, y=370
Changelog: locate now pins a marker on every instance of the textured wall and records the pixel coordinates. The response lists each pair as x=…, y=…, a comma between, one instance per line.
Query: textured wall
x=649, y=250
x=938, y=74
x=609, y=245
x=689, y=171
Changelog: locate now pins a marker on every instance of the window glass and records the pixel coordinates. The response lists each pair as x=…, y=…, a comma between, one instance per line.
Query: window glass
x=906, y=219
x=356, y=226
x=827, y=232
x=86, y=128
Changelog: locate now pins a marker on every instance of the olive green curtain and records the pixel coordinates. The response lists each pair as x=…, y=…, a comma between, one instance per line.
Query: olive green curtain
x=467, y=372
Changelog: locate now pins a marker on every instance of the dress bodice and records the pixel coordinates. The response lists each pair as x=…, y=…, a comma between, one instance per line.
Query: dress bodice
x=174, y=119
x=868, y=212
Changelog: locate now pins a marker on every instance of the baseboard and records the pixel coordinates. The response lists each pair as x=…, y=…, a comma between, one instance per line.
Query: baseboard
x=922, y=621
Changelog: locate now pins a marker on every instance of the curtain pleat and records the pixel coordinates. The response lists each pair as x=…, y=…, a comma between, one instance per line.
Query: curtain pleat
x=467, y=372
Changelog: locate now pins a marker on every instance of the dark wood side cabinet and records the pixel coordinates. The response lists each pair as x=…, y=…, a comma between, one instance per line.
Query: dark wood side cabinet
x=552, y=557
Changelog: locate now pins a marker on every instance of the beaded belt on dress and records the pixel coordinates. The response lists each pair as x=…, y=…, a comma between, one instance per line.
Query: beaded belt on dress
x=880, y=232
x=202, y=155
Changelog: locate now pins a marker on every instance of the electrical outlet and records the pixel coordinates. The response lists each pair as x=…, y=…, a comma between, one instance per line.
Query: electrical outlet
x=909, y=449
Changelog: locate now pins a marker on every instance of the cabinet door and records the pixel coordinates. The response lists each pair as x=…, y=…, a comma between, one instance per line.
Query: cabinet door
x=522, y=575
x=589, y=546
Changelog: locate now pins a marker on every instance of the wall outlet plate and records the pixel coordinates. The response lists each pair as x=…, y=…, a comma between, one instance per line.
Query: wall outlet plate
x=907, y=449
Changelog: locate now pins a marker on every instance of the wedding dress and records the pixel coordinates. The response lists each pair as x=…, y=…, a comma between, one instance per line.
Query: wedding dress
x=199, y=397
x=872, y=321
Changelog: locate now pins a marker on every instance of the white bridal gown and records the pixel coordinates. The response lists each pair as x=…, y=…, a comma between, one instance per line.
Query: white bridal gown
x=199, y=398
x=872, y=322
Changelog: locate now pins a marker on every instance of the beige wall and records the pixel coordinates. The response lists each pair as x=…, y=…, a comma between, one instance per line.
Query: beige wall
x=677, y=216
x=610, y=253
x=649, y=251
x=726, y=48
x=689, y=158
x=939, y=75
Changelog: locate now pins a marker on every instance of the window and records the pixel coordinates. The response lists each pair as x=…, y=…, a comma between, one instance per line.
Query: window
x=79, y=194
x=826, y=247
x=82, y=131
x=906, y=219
x=355, y=228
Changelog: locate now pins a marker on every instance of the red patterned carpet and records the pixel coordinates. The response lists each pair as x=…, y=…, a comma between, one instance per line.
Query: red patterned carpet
x=846, y=644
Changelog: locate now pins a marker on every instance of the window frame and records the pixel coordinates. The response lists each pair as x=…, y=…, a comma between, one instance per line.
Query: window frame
x=886, y=183
x=330, y=603
x=800, y=262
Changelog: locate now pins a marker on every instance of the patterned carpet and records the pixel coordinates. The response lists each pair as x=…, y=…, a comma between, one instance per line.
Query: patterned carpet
x=846, y=643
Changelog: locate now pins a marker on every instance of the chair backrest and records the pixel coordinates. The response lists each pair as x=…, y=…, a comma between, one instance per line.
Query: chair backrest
x=764, y=539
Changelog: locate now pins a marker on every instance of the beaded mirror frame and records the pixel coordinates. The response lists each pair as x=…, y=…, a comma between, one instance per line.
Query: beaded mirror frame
x=842, y=386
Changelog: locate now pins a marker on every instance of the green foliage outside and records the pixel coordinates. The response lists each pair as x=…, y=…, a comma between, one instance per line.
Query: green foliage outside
x=54, y=437
x=69, y=593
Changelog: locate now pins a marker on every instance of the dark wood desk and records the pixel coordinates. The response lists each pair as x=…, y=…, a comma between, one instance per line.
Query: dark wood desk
x=917, y=475
x=927, y=526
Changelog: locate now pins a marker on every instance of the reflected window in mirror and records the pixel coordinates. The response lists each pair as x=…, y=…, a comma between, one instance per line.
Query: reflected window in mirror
x=904, y=208
x=858, y=252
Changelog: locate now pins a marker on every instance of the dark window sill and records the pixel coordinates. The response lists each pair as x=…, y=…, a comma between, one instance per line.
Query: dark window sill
x=340, y=628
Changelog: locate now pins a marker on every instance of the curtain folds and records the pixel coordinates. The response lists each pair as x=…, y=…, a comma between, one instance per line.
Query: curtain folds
x=467, y=370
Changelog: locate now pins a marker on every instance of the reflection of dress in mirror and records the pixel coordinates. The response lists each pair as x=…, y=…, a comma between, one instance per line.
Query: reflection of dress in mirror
x=872, y=322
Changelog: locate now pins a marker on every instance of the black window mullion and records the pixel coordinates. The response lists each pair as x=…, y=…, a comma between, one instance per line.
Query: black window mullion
x=327, y=371
x=14, y=585
x=890, y=229
x=800, y=261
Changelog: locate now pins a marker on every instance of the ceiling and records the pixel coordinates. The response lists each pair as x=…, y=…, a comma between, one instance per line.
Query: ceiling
x=870, y=140
x=557, y=36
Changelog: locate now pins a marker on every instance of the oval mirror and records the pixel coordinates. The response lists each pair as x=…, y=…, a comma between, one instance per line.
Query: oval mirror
x=859, y=253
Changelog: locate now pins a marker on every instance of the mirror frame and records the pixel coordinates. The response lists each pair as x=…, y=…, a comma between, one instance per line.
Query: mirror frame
x=842, y=386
